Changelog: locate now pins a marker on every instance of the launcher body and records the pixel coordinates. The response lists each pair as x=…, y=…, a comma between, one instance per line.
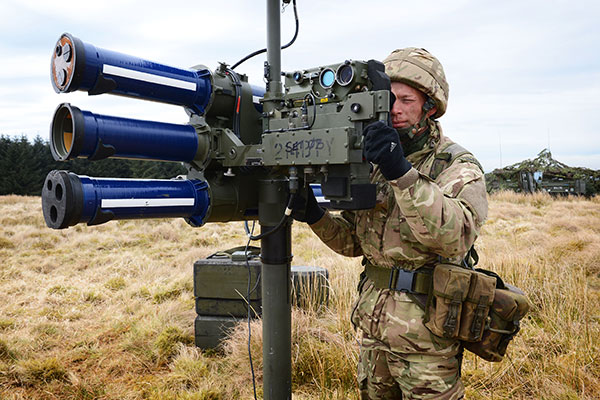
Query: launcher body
x=309, y=133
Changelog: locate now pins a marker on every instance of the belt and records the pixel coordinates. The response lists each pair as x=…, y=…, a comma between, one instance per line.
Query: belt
x=407, y=281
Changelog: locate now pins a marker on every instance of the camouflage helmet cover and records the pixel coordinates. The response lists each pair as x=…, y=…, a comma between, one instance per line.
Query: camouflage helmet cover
x=421, y=70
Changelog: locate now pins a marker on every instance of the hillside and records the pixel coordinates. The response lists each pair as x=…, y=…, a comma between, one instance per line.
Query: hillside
x=107, y=312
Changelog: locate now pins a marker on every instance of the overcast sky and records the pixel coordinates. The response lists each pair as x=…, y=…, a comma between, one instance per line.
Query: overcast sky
x=524, y=75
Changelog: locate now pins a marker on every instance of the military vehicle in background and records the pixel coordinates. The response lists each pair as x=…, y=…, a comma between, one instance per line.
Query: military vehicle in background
x=545, y=174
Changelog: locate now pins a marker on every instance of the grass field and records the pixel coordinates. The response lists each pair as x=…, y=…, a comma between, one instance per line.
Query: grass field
x=107, y=312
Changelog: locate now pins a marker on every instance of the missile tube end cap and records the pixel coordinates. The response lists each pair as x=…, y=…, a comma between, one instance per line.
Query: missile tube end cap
x=62, y=199
x=67, y=64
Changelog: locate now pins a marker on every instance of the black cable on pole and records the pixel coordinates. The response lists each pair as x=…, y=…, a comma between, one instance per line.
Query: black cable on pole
x=249, y=306
x=249, y=56
x=286, y=216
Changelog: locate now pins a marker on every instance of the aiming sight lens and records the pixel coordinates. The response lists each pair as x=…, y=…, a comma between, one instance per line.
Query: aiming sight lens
x=327, y=78
x=344, y=74
x=298, y=77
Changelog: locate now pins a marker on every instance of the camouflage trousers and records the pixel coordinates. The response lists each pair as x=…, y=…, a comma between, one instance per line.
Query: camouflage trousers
x=399, y=357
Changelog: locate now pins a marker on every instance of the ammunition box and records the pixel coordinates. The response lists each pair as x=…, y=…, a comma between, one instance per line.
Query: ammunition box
x=221, y=285
x=227, y=307
x=209, y=331
x=310, y=286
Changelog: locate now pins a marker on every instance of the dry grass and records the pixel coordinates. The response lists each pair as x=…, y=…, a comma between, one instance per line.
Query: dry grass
x=107, y=312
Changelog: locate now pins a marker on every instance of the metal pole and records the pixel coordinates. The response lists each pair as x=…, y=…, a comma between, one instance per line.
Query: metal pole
x=276, y=257
x=273, y=65
x=276, y=248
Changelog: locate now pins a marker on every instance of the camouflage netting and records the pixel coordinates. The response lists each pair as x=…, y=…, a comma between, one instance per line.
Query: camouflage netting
x=544, y=173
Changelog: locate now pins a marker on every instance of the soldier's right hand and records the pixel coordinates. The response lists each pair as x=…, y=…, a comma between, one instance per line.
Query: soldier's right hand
x=382, y=147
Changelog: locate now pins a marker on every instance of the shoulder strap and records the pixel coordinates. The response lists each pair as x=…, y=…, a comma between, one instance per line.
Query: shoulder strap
x=446, y=156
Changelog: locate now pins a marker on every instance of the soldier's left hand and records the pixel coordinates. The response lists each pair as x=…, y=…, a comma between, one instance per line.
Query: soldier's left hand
x=381, y=146
x=305, y=207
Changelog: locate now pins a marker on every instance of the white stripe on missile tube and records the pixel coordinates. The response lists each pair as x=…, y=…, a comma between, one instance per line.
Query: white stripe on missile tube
x=146, y=77
x=129, y=179
x=167, y=202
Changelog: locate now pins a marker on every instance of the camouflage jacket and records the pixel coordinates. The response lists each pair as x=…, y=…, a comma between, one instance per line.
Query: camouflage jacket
x=416, y=219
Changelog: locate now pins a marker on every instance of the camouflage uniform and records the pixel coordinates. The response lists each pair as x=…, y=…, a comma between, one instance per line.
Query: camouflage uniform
x=416, y=220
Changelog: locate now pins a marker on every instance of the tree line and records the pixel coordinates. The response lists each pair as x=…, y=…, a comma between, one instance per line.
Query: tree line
x=24, y=166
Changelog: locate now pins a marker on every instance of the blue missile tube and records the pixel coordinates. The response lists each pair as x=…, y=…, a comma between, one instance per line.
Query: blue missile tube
x=69, y=199
x=75, y=133
x=76, y=65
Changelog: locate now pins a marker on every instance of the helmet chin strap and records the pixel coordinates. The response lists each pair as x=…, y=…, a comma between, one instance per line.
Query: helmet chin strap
x=409, y=137
x=411, y=131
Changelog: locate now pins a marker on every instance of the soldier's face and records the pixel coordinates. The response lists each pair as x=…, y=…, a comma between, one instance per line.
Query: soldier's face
x=408, y=107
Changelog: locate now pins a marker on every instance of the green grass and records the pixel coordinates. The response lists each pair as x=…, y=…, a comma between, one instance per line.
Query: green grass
x=109, y=315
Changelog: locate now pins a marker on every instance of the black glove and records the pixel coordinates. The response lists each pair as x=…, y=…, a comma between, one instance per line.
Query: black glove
x=305, y=207
x=382, y=147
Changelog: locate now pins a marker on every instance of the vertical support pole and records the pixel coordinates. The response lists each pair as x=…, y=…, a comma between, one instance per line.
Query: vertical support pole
x=276, y=248
x=276, y=257
x=273, y=65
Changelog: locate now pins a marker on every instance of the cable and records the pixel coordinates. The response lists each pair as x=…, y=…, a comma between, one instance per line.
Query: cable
x=249, y=307
x=249, y=232
x=249, y=56
x=286, y=215
x=314, y=100
x=238, y=98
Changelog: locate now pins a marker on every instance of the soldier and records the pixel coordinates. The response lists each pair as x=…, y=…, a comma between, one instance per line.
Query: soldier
x=431, y=204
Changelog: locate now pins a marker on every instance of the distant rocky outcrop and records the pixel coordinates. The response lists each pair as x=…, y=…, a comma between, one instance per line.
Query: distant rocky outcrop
x=544, y=173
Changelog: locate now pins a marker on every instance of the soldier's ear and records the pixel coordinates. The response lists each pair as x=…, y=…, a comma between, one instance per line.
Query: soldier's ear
x=429, y=107
x=431, y=112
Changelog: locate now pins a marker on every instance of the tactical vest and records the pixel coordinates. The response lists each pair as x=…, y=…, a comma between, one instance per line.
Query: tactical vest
x=446, y=156
x=479, y=309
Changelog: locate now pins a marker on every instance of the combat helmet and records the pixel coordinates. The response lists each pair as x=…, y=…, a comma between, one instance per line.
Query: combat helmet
x=421, y=70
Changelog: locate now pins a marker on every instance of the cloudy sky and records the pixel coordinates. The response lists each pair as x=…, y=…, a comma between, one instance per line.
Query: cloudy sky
x=524, y=75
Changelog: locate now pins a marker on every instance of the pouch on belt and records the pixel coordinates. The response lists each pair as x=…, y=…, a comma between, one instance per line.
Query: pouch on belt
x=509, y=307
x=475, y=307
x=459, y=303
